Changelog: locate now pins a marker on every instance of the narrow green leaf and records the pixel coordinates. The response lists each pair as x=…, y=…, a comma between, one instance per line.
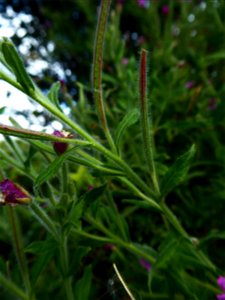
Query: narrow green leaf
x=53, y=94
x=16, y=64
x=44, y=251
x=213, y=58
x=79, y=253
x=83, y=286
x=12, y=287
x=52, y=169
x=177, y=173
x=2, y=109
x=129, y=119
x=44, y=219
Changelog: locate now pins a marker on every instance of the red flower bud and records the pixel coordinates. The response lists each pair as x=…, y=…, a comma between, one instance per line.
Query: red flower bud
x=60, y=147
x=11, y=193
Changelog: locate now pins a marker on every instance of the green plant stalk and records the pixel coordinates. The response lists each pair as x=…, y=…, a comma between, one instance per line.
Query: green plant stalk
x=115, y=239
x=44, y=219
x=97, y=69
x=147, y=130
x=36, y=135
x=64, y=177
x=138, y=193
x=65, y=267
x=13, y=162
x=15, y=148
x=173, y=220
x=12, y=287
x=18, y=245
x=91, y=236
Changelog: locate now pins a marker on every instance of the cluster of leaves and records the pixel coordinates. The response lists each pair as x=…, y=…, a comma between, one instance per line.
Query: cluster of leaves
x=93, y=206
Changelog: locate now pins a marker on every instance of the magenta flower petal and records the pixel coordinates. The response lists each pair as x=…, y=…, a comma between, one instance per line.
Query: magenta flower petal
x=221, y=282
x=189, y=85
x=145, y=264
x=12, y=193
x=220, y=297
x=165, y=10
x=143, y=3
x=60, y=147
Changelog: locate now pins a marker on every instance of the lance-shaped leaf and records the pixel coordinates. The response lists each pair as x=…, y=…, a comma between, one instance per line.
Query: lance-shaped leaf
x=53, y=94
x=15, y=62
x=177, y=173
x=52, y=169
x=129, y=119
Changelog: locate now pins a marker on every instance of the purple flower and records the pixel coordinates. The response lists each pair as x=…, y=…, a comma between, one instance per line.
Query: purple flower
x=145, y=264
x=61, y=147
x=165, y=10
x=12, y=193
x=143, y=3
x=189, y=85
x=221, y=283
x=125, y=61
x=212, y=104
x=90, y=187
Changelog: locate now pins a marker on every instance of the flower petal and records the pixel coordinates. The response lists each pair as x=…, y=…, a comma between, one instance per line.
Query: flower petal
x=221, y=282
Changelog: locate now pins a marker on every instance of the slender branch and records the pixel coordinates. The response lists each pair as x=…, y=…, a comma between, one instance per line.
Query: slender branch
x=17, y=241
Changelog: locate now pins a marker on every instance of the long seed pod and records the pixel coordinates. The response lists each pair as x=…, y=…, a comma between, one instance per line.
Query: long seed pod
x=147, y=130
x=97, y=69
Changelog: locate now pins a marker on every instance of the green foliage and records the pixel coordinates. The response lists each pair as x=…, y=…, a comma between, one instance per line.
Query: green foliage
x=177, y=173
x=124, y=194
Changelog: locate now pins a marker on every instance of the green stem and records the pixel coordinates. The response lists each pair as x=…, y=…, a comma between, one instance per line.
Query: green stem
x=173, y=220
x=44, y=219
x=138, y=193
x=12, y=287
x=17, y=241
x=65, y=268
x=129, y=246
x=91, y=236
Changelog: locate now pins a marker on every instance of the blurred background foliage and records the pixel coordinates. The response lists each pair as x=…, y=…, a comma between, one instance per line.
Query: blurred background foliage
x=186, y=45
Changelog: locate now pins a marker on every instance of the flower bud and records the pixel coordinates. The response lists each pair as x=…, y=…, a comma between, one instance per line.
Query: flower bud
x=11, y=193
x=61, y=147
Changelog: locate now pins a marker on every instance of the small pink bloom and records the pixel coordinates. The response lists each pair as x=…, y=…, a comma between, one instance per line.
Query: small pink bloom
x=221, y=282
x=143, y=3
x=12, y=193
x=165, y=10
x=125, y=61
x=189, y=85
x=60, y=147
x=220, y=297
x=212, y=104
x=145, y=264
x=141, y=40
x=90, y=187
